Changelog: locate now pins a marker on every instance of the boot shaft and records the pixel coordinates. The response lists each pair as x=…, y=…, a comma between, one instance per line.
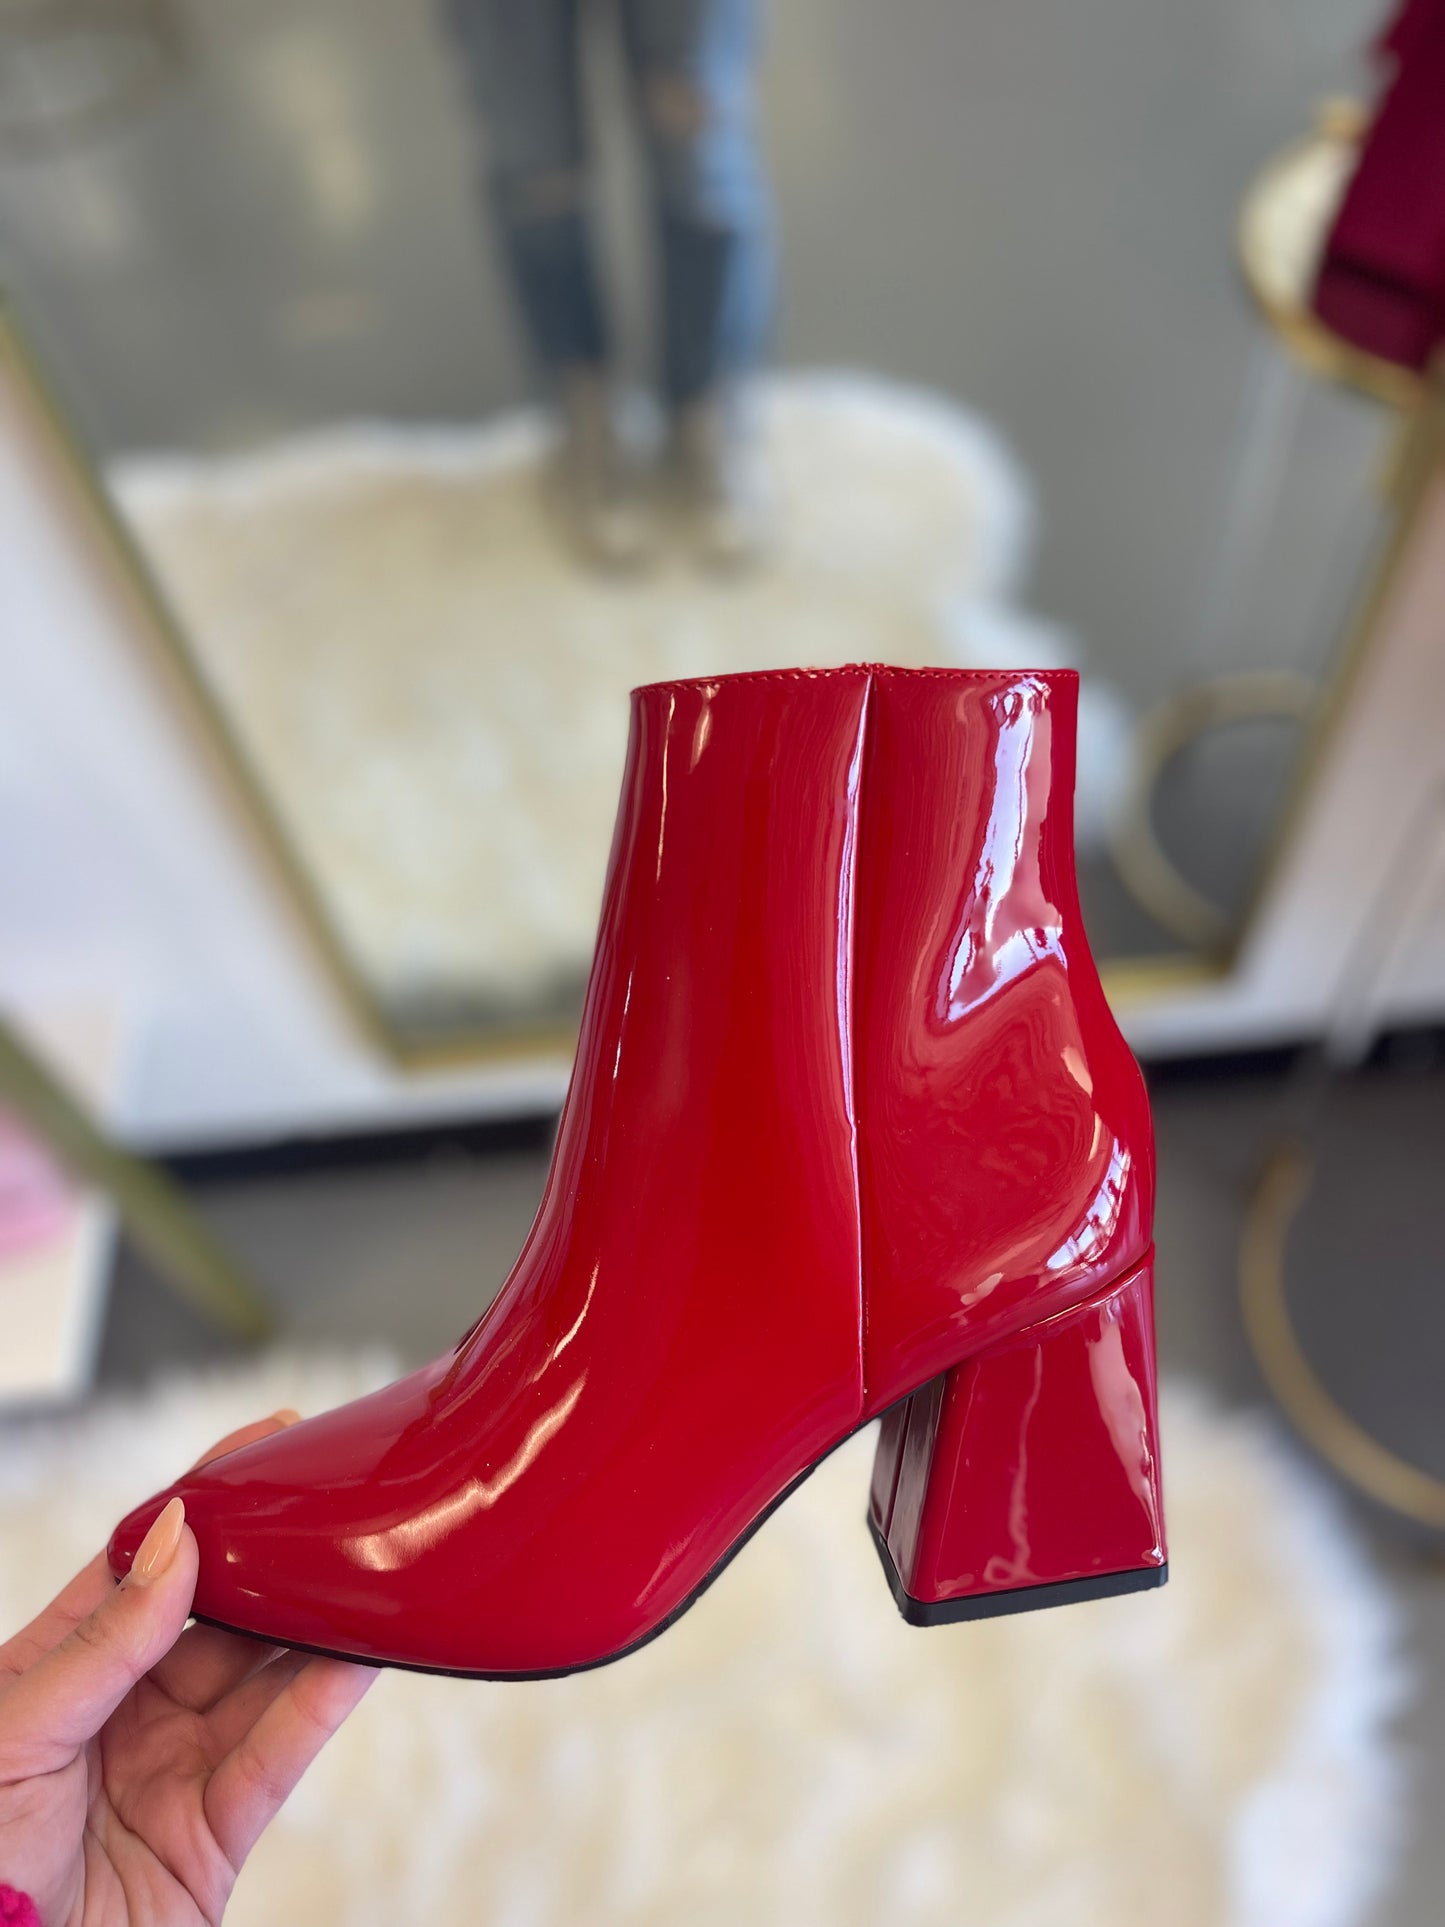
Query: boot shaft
x=1005, y=1152
x=842, y=926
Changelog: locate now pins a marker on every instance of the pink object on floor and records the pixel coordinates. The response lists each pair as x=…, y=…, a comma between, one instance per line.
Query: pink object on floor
x=17, y=1909
x=35, y=1202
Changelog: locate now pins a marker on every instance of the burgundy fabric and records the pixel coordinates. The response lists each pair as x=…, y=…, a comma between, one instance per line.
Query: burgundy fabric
x=1382, y=279
x=1408, y=24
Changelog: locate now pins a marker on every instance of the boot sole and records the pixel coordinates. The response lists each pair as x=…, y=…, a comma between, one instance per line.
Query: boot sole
x=917, y=1612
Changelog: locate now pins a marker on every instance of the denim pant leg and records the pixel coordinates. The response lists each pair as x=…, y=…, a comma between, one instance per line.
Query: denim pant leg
x=522, y=65
x=694, y=65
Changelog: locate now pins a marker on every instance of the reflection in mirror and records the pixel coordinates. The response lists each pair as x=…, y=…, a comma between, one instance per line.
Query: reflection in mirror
x=453, y=379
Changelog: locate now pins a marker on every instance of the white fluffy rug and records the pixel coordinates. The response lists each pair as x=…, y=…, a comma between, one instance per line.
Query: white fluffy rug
x=1211, y=1756
x=435, y=694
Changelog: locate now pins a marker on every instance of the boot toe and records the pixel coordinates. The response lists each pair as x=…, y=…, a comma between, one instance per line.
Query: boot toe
x=126, y=1539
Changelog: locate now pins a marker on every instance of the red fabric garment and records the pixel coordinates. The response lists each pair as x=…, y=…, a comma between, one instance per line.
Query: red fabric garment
x=1381, y=283
x=1409, y=23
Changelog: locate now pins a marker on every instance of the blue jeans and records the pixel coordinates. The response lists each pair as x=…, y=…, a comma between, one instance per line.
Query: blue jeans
x=691, y=65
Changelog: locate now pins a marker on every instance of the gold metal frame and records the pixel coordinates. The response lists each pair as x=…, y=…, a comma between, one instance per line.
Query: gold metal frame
x=1144, y=867
x=1127, y=979
x=1417, y=447
x=1287, y=1175
x=1415, y=450
x=156, y=1212
x=139, y=584
x=1418, y=451
x=1372, y=1468
x=1305, y=337
x=1124, y=978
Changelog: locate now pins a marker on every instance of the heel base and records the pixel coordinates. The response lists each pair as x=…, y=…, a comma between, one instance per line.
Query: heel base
x=1016, y=1599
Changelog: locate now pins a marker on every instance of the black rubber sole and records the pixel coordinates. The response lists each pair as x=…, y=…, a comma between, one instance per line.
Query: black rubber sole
x=1015, y=1599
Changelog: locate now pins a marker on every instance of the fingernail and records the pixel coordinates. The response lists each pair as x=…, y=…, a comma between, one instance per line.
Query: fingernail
x=288, y=1415
x=158, y=1547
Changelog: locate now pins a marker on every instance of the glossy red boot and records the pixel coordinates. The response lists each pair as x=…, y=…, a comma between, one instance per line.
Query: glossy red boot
x=850, y=1131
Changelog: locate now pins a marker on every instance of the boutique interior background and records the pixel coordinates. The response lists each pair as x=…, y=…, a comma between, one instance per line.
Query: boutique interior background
x=308, y=742
x=383, y=718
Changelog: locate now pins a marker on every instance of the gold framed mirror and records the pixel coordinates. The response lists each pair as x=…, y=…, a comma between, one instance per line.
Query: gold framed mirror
x=331, y=503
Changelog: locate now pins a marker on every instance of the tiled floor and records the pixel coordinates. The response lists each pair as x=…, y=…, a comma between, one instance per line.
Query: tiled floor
x=409, y=1254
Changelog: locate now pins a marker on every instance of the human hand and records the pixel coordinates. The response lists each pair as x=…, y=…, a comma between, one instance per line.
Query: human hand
x=140, y=1760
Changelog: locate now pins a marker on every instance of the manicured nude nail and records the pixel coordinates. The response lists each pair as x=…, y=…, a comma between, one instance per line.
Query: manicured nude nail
x=288, y=1415
x=158, y=1547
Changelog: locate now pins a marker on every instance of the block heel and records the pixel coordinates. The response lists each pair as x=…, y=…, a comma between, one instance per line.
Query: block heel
x=1028, y=1476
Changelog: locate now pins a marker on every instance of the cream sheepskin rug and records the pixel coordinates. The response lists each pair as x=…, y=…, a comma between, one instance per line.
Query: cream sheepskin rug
x=434, y=693
x=1210, y=1756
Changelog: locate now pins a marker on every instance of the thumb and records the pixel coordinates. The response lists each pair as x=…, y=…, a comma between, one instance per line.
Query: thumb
x=66, y=1697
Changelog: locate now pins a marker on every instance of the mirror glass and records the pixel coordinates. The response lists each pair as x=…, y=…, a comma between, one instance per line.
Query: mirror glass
x=290, y=270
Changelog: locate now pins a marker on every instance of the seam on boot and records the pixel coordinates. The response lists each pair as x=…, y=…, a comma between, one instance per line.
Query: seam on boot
x=853, y=856
x=872, y=670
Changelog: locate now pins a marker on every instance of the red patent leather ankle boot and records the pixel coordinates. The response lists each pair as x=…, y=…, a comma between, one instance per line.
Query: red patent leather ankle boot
x=850, y=1132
